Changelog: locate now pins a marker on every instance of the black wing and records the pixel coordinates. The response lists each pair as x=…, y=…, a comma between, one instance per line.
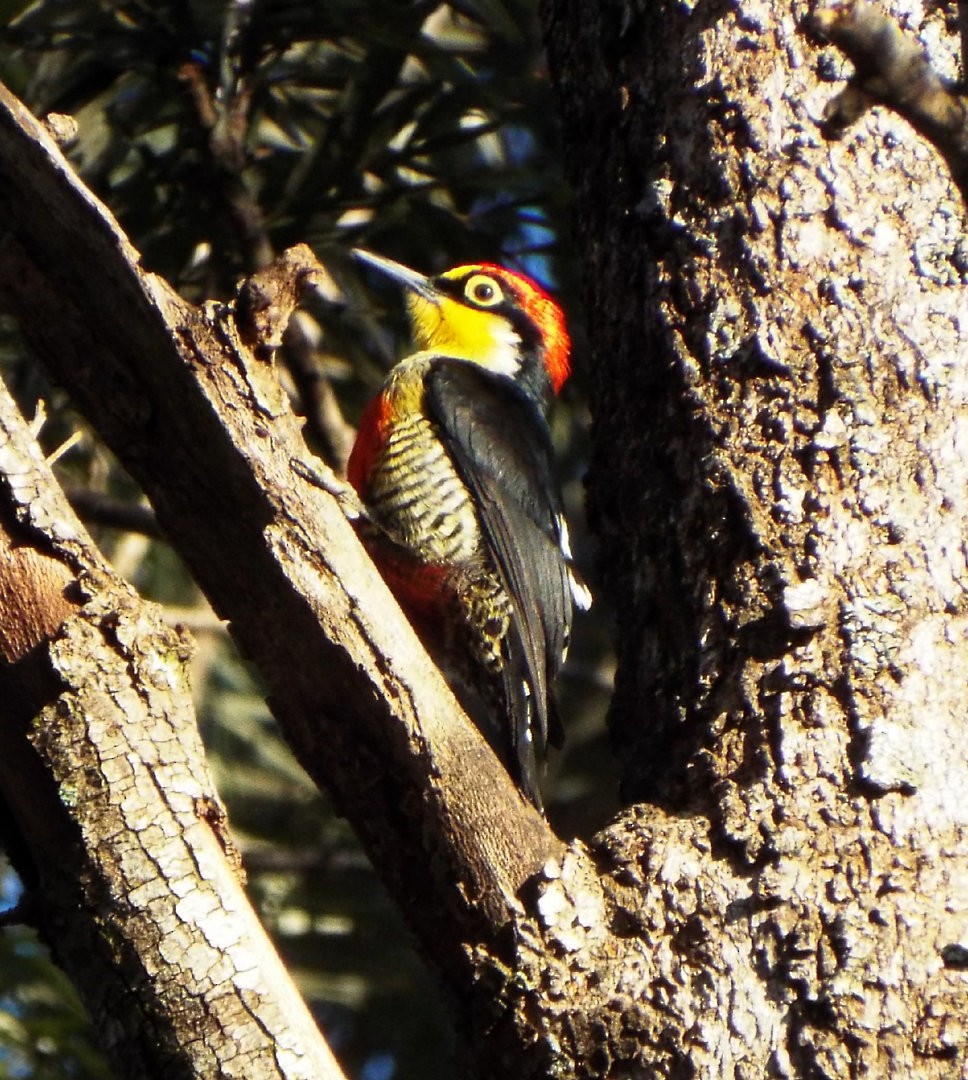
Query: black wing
x=500, y=445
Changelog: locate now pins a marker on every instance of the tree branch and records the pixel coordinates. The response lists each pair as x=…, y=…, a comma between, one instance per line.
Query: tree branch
x=96, y=508
x=120, y=838
x=205, y=428
x=892, y=69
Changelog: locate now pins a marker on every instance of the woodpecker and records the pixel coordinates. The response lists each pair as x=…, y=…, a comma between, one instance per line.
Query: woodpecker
x=453, y=461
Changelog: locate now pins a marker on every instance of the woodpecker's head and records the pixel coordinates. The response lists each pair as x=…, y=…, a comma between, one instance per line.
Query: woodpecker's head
x=488, y=315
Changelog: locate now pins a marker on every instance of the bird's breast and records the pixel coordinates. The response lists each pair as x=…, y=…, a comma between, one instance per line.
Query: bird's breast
x=416, y=495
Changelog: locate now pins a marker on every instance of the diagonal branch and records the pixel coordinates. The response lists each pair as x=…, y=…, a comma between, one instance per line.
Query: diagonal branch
x=115, y=826
x=206, y=429
x=892, y=69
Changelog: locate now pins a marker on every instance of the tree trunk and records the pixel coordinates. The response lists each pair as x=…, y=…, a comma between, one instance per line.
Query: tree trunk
x=779, y=484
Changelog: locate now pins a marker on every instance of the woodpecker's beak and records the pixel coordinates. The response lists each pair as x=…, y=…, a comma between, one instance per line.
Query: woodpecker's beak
x=410, y=279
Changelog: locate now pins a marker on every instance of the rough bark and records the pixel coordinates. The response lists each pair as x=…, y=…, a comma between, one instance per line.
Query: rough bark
x=111, y=814
x=779, y=483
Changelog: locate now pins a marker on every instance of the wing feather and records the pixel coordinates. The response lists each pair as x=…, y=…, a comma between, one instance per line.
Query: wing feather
x=499, y=442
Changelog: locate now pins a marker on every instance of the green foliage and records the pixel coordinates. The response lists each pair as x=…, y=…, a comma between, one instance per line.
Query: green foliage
x=337, y=122
x=220, y=133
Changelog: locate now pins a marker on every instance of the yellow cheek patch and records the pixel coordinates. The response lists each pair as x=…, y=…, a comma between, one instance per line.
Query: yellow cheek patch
x=454, y=329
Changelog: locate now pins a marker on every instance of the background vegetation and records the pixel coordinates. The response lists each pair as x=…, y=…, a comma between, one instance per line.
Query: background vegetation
x=220, y=133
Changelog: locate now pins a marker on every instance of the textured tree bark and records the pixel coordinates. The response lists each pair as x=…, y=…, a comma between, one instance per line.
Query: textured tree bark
x=115, y=826
x=779, y=479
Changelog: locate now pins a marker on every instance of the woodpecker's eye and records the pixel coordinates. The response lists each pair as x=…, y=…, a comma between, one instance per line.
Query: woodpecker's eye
x=483, y=291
